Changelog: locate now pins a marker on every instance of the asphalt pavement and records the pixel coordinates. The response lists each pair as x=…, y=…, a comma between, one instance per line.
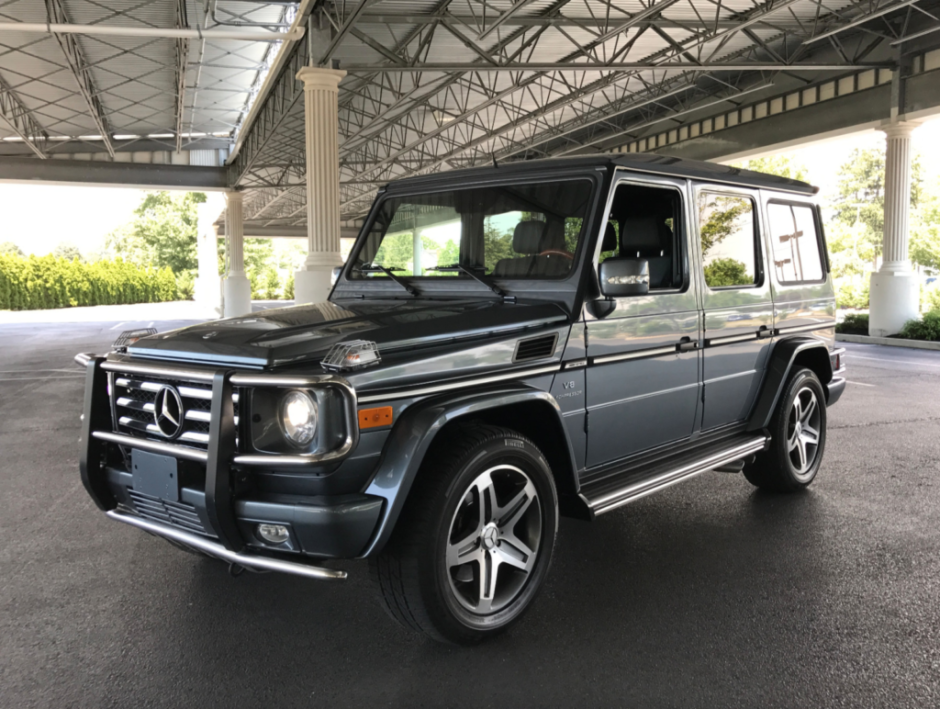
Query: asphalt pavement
x=709, y=594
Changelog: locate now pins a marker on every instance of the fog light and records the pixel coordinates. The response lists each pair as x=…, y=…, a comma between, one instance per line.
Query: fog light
x=273, y=533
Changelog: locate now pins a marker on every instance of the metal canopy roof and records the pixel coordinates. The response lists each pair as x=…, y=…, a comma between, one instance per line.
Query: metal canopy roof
x=432, y=84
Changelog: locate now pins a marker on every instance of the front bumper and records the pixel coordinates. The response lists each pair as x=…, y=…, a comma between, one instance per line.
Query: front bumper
x=338, y=526
x=211, y=515
x=249, y=561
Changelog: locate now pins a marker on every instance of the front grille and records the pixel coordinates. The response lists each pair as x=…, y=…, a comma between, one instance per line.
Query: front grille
x=181, y=515
x=134, y=399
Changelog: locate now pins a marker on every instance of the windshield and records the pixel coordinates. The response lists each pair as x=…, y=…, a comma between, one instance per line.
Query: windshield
x=505, y=231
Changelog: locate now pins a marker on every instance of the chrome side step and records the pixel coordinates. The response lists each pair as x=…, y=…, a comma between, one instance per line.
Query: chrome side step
x=642, y=488
x=249, y=561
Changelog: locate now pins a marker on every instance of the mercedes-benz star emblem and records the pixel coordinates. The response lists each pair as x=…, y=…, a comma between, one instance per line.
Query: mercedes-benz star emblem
x=168, y=412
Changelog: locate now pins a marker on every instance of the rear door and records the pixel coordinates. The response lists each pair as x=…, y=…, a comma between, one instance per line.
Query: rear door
x=642, y=385
x=802, y=284
x=736, y=301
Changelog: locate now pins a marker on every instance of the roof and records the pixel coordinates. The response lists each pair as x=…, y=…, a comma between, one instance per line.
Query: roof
x=640, y=162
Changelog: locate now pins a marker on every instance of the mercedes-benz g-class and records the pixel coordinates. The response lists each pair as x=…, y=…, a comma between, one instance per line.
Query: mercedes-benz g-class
x=503, y=346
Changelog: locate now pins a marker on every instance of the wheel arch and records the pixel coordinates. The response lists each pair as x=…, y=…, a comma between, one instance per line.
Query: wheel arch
x=413, y=437
x=786, y=355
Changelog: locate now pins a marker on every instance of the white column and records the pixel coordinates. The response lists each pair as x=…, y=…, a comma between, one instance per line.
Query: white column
x=321, y=125
x=208, y=290
x=237, y=290
x=894, y=288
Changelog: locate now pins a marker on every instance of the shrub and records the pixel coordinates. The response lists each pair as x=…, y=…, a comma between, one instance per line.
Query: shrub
x=186, y=285
x=931, y=299
x=289, y=288
x=927, y=328
x=851, y=295
x=854, y=324
x=43, y=282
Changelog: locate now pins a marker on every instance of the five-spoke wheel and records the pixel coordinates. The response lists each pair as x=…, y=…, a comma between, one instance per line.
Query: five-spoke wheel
x=494, y=539
x=803, y=430
x=797, y=437
x=474, y=542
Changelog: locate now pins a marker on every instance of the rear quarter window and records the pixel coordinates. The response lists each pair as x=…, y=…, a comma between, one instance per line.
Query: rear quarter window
x=795, y=243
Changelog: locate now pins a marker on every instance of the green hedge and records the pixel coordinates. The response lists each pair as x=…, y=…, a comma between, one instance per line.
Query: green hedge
x=43, y=282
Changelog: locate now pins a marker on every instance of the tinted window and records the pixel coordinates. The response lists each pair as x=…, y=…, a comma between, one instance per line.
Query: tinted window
x=729, y=246
x=795, y=243
x=506, y=231
x=644, y=223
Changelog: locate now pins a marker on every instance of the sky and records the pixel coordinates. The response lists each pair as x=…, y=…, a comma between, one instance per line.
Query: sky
x=39, y=217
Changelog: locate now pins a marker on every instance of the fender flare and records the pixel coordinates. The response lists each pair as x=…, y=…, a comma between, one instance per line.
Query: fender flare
x=413, y=435
x=782, y=357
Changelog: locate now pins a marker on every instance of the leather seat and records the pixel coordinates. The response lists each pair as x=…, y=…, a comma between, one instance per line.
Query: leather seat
x=649, y=238
x=532, y=237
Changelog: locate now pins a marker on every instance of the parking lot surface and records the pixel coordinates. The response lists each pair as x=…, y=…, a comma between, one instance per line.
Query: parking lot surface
x=709, y=594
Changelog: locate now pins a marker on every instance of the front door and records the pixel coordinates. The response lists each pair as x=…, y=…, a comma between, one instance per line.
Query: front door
x=736, y=301
x=643, y=382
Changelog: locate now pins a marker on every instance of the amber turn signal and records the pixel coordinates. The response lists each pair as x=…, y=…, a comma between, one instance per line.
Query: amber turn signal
x=372, y=418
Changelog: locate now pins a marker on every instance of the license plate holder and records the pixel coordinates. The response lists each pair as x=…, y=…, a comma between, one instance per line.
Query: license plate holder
x=155, y=475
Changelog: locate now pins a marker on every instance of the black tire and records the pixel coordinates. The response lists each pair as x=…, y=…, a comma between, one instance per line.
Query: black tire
x=782, y=467
x=427, y=581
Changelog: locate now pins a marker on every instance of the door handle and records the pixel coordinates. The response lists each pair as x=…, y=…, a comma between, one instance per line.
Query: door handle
x=687, y=344
x=764, y=332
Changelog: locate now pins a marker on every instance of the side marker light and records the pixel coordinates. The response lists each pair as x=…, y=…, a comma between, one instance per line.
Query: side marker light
x=373, y=418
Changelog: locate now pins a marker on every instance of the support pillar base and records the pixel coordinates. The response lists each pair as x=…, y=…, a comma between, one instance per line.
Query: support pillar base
x=313, y=284
x=208, y=292
x=895, y=297
x=237, y=291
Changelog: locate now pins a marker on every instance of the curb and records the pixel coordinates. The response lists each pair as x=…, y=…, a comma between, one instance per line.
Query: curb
x=889, y=341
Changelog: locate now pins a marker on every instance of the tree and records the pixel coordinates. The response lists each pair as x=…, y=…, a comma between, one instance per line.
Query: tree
x=924, y=247
x=163, y=232
x=861, y=196
x=397, y=251
x=8, y=248
x=722, y=213
x=67, y=251
x=780, y=165
x=450, y=254
x=496, y=245
x=727, y=272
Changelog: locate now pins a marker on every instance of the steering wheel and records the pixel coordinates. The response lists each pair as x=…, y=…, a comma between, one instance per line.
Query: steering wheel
x=558, y=252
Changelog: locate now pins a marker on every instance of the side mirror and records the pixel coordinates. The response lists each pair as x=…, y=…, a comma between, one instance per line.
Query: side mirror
x=337, y=272
x=621, y=277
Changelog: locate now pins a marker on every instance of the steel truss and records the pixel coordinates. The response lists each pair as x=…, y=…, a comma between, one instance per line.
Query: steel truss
x=432, y=84
x=466, y=81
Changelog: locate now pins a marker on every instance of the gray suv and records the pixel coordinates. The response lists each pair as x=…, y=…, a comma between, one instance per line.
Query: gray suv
x=503, y=346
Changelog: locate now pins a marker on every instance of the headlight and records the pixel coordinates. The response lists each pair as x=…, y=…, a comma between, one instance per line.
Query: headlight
x=298, y=417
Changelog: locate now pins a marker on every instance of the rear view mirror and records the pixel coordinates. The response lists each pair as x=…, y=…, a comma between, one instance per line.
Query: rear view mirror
x=622, y=276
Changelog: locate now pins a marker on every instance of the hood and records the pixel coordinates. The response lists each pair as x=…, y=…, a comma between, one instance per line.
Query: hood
x=304, y=333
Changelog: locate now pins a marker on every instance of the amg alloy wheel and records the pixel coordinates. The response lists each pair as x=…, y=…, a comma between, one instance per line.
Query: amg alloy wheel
x=803, y=430
x=474, y=542
x=798, y=437
x=494, y=539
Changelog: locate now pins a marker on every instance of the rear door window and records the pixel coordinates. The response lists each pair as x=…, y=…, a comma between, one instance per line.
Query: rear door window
x=727, y=229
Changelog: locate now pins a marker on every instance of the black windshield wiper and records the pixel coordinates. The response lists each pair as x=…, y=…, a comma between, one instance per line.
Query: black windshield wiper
x=375, y=268
x=478, y=278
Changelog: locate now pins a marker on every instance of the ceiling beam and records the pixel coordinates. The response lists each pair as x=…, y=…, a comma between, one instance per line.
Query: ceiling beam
x=613, y=66
x=115, y=174
x=182, y=53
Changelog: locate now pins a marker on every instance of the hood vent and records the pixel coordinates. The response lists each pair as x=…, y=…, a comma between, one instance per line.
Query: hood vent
x=535, y=348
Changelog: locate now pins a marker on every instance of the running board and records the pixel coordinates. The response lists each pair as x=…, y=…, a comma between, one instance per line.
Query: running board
x=641, y=488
